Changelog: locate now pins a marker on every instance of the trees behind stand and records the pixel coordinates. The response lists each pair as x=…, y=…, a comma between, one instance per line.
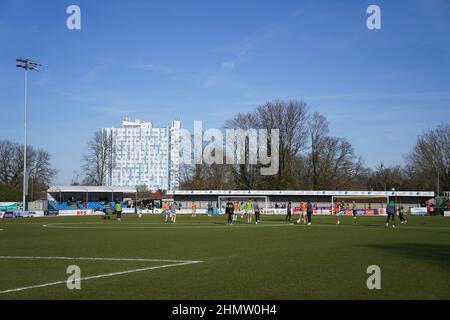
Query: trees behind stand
x=312, y=159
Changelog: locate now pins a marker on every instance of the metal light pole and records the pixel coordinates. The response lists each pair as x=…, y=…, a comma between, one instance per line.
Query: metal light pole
x=32, y=65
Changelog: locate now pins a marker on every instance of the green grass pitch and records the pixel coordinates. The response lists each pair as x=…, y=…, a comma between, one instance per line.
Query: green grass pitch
x=202, y=258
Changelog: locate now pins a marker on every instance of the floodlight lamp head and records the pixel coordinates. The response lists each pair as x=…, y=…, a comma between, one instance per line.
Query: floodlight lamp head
x=27, y=64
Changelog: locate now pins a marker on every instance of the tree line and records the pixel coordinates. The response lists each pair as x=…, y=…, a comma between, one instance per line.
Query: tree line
x=310, y=158
x=40, y=170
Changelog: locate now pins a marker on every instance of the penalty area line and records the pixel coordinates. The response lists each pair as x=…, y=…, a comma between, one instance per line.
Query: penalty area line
x=101, y=275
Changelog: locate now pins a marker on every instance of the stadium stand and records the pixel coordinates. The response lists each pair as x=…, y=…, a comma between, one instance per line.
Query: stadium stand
x=88, y=197
x=92, y=205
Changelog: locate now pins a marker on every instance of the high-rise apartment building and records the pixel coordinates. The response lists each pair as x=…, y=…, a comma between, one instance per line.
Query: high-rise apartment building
x=145, y=155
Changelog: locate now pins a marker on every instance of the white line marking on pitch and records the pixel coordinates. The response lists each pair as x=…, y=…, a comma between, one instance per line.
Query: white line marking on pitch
x=93, y=226
x=174, y=264
x=158, y=225
x=168, y=227
x=98, y=259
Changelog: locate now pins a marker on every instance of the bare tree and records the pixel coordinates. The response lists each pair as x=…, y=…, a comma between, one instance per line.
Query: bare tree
x=360, y=179
x=98, y=160
x=77, y=175
x=142, y=192
x=430, y=160
x=310, y=158
x=7, y=154
x=290, y=118
x=40, y=171
x=332, y=162
x=318, y=131
x=193, y=175
x=245, y=175
x=385, y=178
x=335, y=163
x=204, y=176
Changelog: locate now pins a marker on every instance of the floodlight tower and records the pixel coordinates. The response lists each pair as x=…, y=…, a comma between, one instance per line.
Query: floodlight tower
x=31, y=65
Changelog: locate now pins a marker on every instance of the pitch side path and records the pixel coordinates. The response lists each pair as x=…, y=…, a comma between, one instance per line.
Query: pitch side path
x=202, y=258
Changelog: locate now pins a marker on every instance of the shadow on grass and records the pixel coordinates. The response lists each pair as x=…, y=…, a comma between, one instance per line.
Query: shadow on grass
x=435, y=253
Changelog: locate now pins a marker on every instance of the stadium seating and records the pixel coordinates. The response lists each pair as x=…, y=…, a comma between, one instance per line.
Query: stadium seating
x=91, y=205
x=113, y=204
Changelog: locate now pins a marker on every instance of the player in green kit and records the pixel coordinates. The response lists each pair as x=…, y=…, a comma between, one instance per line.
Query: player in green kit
x=248, y=210
x=401, y=212
x=118, y=209
x=391, y=210
x=242, y=209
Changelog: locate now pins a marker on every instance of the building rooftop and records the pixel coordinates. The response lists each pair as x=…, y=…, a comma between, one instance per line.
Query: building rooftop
x=304, y=193
x=91, y=189
x=127, y=123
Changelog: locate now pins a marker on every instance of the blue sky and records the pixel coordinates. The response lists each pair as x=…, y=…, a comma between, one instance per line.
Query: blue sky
x=208, y=60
